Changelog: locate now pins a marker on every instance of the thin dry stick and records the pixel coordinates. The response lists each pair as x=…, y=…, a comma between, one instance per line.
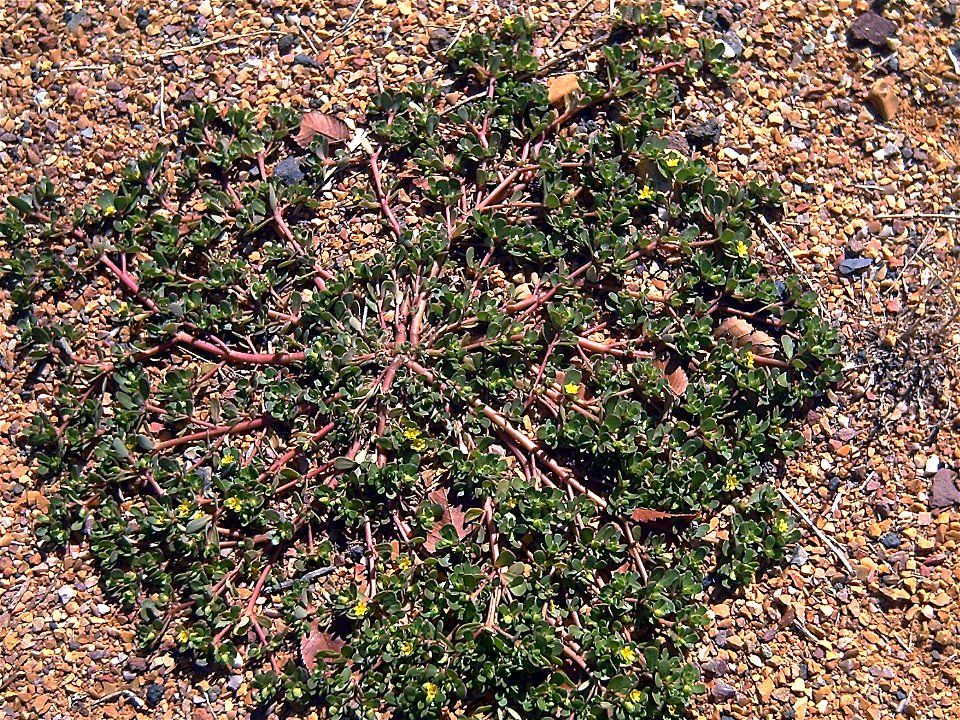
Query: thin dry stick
x=349, y=23
x=831, y=545
x=456, y=37
x=793, y=261
x=163, y=104
x=911, y=216
x=208, y=43
x=573, y=18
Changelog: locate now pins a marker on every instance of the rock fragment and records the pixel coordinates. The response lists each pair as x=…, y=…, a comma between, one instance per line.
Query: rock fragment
x=884, y=98
x=871, y=28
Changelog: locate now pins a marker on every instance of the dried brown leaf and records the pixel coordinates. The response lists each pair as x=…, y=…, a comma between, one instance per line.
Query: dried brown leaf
x=452, y=515
x=739, y=333
x=318, y=642
x=645, y=516
x=677, y=377
x=318, y=123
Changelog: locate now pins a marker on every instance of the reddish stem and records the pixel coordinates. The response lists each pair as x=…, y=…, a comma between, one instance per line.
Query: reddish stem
x=378, y=188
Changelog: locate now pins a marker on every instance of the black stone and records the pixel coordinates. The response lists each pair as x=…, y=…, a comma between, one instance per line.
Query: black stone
x=890, y=540
x=154, y=695
x=855, y=266
x=305, y=60
x=706, y=133
x=143, y=18
x=288, y=170
x=286, y=44
x=833, y=484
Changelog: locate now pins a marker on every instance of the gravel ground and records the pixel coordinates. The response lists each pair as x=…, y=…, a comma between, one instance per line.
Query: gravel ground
x=855, y=114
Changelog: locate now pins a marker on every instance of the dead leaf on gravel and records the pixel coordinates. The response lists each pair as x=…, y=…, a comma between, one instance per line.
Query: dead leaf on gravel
x=739, y=333
x=318, y=123
x=317, y=642
x=452, y=515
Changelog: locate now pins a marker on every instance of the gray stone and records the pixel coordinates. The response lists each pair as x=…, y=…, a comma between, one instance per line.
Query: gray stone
x=890, y=540
x=288, y=170
x=855, y=266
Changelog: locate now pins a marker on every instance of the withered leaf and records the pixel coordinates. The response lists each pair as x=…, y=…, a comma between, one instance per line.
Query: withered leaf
x=739, y=333
x=452, y=515
x=646, y=516
x=318, y=642
x=676, y=376
x=318, y=123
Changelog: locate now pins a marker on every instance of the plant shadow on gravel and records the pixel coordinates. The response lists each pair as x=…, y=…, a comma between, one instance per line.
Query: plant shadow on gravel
x=481, y=473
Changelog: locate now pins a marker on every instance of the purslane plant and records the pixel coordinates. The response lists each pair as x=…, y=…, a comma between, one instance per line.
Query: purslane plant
x=472, y=474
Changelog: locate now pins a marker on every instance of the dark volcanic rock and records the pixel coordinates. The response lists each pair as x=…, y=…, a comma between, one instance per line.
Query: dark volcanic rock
x=872, y=29
x=706, y=133
x=943, y=489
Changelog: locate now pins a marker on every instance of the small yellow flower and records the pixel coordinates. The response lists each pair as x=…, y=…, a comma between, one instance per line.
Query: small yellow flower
x=109, y=210
x=228, y=458
x=749, y=360
x=431, y=691
x=307, y=295
x=411, y=433
x=782, y=525
x=672, y=161
x=571, y=388
x=184, y=509
x=647, y=193
x=234, y=504
x=635, y=695
x=406, y=649
x=742, y=249
x=628, y=654
x=731, y=483
x=404, y=563
x=122, y=307
x=183, y=636
x=360, y=609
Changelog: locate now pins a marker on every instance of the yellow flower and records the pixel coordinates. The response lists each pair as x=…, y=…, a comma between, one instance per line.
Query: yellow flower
x=183, y=636
x=782, y=525
x=572, y=388
x=228, y=458
x=742, y=249
x=748, y=360
x=628, y=654
x=306, y=295
x=635, y=695
x=360, y=609
x=184, y=509
x=413, y=434
x=404, y=563
x=109, y=210
x=122, y=307
x=672, y=161
x=431, y=690
x=731, y=483
x=647, y=193
x=234, y=504
x=406, y=649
